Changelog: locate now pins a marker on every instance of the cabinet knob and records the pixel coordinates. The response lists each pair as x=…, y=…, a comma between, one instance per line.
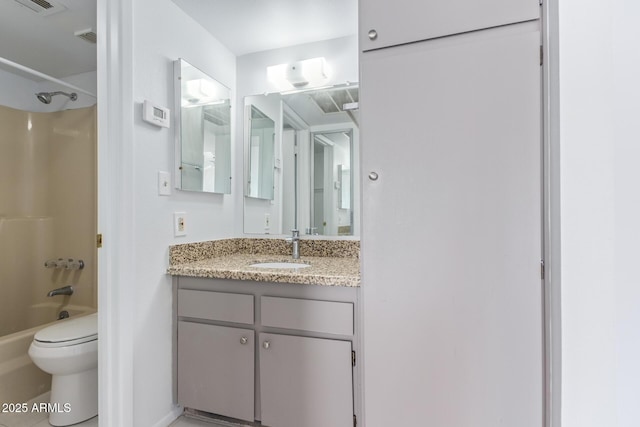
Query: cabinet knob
x=244, y=340
x=266, y=345
x=373, y=34
x=373, y=176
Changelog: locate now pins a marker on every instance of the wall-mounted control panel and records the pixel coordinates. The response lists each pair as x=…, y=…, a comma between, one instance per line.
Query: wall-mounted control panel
x=155, y=114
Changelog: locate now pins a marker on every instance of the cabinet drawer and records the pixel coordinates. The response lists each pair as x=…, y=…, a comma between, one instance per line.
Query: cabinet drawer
x=308, y=315
x=224, y=307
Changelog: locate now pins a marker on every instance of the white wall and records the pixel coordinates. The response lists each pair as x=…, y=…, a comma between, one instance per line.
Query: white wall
x=600, y=204
x=162, y=33
x=19, y=92
x=341, y=56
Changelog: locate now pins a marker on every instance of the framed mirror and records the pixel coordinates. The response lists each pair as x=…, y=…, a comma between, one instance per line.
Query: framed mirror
x=315, y=165
x=203, y=131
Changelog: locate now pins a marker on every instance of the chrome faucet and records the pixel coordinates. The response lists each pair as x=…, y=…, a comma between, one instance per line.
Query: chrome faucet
x=295, y=242
x=66, y=290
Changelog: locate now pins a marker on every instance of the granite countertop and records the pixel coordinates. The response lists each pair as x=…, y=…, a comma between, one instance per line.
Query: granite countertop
x=332, y=262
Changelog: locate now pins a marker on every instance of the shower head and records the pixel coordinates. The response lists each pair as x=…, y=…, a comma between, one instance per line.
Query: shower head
x=45, y=97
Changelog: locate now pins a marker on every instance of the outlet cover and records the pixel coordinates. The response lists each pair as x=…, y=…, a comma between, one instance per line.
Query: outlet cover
x=179, y=224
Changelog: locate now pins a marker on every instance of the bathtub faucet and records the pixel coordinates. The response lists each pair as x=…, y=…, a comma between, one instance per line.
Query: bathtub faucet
x=66, y=290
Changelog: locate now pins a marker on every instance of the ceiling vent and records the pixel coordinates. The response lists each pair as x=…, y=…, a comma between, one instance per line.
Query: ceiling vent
x=337, y=100
x=42, y=7
x=87, y=35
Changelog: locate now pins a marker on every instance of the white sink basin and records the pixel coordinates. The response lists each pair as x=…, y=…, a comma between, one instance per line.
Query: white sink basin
x=294, y=265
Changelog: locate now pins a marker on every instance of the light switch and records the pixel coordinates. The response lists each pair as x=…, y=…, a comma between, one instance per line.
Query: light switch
x=164, y=183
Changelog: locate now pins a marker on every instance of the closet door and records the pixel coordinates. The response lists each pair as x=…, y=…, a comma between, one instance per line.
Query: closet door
x=451, y=238
x=403, y=21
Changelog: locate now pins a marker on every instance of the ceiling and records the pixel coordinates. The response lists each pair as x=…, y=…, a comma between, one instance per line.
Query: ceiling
x=47, y=43
x=247, y=26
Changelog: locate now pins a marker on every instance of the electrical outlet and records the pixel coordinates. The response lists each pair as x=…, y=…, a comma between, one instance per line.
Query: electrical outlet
x=267, y=221
x=164, y=183
x=179, y=224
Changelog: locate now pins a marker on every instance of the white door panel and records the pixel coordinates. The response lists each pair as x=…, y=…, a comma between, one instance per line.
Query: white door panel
x=451, y=240
x=405, y=21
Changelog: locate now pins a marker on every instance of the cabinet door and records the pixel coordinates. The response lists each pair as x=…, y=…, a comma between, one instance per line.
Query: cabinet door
x=451, y=234
x=305, y=382
x=404, y=21
x=216, y=369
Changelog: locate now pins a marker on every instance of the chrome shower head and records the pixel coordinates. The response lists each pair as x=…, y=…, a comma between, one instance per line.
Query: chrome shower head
x=45, y=97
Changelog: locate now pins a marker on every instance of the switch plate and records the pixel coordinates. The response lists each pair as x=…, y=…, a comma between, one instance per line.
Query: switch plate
x=164, y=183
x=179, y=224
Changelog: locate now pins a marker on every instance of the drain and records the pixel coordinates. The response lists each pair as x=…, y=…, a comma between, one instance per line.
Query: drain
x=63, y=315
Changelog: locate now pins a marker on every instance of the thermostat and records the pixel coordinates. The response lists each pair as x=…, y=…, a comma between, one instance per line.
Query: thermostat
x=155, y=114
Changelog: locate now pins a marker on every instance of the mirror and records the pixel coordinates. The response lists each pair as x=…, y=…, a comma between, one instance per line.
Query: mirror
x=203, y=131
x=260, y=149
x=314, y=160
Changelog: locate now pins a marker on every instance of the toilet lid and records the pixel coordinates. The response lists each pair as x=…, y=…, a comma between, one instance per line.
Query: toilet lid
x=84, y=328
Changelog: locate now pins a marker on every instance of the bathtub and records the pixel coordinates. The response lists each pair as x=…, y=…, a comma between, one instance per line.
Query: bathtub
x=20, y=379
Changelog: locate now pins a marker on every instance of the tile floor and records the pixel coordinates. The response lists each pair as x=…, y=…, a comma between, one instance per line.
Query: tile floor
x=36, y=419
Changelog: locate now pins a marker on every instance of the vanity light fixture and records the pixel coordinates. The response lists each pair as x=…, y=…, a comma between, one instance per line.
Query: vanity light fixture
x=200, y=92
x=297, y=75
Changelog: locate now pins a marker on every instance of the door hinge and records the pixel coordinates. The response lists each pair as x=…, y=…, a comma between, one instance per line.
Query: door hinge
x=542, y=269
x=355, y=420
x=99, y=240
x=353, y=358
x=541, y=55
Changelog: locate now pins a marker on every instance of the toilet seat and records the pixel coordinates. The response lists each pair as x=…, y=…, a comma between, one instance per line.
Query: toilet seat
x=69, y=332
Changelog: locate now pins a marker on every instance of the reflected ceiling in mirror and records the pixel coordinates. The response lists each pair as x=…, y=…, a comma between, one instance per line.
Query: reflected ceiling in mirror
x=203, y=131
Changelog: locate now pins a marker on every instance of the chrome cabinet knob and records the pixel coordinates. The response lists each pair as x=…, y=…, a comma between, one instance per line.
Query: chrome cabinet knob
x=373, y=34
x=244, y=340
x=266, y=345
x=373, y=176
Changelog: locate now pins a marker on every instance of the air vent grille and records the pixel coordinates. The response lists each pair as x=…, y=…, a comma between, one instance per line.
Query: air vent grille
x=333, y=101
x=42, y=7
x=87, y=35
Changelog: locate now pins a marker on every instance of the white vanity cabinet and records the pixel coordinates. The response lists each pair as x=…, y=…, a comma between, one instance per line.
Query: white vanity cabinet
x=384, y=23
x=278, y=353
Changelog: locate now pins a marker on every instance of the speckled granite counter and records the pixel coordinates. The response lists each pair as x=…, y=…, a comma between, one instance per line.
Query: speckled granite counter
x=332, y=262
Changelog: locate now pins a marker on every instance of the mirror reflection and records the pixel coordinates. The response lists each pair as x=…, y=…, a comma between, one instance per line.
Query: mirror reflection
x=260, y=150
x=315, y=148
x=203, y=134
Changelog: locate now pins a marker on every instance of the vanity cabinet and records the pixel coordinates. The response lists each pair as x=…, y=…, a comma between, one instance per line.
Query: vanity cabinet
x=305, y=381
x=281, y=354
x=216, y=369
x=384, y=23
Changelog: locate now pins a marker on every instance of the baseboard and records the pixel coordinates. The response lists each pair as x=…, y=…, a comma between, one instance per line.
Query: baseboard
x=170, y=417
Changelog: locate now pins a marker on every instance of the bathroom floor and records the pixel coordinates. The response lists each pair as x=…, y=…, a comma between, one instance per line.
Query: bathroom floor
x=36, y=419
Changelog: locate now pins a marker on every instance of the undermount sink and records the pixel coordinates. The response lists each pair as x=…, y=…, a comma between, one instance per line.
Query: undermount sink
x=285, y=264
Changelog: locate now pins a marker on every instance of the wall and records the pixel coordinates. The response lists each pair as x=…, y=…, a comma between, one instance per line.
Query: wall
x=19, y=92
x=600, y=204
x=342, y=57
x=162, y=33
x=48, y=201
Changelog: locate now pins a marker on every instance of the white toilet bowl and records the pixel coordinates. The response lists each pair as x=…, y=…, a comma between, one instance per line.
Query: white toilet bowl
x=68, y=351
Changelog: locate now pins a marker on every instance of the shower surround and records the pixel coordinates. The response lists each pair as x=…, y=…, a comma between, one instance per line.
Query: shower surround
x=47, y=210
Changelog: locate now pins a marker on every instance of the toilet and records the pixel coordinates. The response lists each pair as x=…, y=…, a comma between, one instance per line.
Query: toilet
x=68, y=350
